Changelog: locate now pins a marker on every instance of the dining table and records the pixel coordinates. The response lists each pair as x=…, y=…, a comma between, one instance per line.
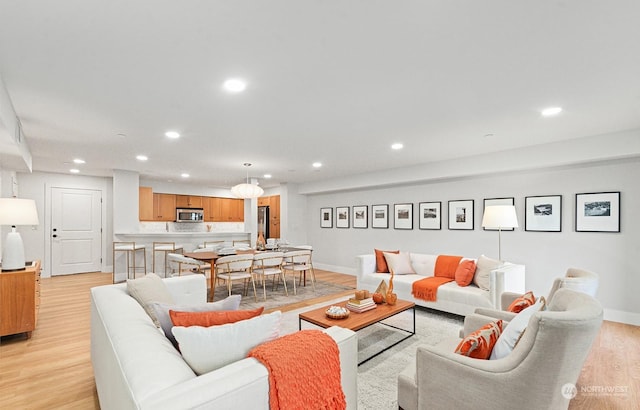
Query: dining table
x=211, y=257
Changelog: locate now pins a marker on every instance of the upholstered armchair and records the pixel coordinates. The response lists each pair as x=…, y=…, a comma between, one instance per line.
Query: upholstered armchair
x=549, y=355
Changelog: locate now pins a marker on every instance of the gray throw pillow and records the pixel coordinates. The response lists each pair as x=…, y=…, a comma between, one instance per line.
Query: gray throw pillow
x=161, y=311
x=147, y=289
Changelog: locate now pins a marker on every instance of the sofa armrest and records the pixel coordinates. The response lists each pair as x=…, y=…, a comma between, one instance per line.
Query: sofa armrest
x=509, y=277
x=507, y=298
x=496, y=314
x=365, y=265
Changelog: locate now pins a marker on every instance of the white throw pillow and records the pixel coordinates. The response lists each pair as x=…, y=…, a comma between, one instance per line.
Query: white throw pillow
x=511, y=334
x=208, y=348
x=147, y=289
x=399, y=263
x=161, y=311
x=484, y=266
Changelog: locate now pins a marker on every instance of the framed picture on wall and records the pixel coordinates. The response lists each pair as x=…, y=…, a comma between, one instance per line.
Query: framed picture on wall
x=429, y=215
x=326, y=217
x=360, y=217
x=461, y=214
x=598, y=212
x=380, y=216
x=403, y=216
x=543, y=213
x=497, y=201
x=342, y=217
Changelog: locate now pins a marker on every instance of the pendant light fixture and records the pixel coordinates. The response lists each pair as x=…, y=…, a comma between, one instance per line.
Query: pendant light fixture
x=247, y=190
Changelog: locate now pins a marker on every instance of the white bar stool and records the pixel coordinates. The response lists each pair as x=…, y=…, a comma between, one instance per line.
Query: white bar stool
x=166, y=248
x=130, y=248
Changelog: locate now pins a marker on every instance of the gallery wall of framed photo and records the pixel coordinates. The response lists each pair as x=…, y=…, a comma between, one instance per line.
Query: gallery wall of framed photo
x=594, y=212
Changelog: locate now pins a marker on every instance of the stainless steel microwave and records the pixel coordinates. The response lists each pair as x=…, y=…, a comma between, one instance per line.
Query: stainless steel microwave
x=189, y=215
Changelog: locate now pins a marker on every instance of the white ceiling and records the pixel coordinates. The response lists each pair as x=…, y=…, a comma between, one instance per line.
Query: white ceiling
x=329, y=81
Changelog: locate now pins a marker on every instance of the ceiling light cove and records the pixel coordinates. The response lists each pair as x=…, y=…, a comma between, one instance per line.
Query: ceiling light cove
x=74, y=171
x=551, y=111
x=234, y=85
x=142, y=157
x=184, y=175
x=78, y=161
x=317, y=164
x=172, y=134
x=397, y=146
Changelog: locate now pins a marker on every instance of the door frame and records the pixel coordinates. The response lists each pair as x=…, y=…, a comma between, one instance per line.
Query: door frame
x=48, y=257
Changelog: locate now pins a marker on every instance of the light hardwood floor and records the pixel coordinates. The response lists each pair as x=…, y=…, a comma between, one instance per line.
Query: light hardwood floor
x=52, y=370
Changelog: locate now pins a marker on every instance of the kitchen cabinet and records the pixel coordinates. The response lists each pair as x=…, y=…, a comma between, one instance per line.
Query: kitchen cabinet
x=274, y=216
x=145, y=204
x=19, y=300
x=164, y=207
x=188, y=201
x=231, y=210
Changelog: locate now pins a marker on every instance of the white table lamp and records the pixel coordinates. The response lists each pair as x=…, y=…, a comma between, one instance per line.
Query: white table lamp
x=16, y=211
x=500, y=217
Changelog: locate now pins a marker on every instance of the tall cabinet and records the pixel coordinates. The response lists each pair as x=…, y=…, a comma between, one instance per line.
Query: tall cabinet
x=19, y=300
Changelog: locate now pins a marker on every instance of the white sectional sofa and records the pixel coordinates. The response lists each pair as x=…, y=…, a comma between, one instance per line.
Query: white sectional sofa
x=461, y=300
x=136, y=367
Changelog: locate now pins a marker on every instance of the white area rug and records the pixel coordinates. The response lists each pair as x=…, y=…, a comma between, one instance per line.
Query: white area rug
x=378, y=378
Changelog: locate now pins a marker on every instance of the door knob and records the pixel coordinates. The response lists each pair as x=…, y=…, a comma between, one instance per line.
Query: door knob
x=55, y=236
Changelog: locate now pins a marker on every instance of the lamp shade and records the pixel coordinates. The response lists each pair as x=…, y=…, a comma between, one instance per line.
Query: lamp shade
x=500, y=216
x=18, y=211
x=247, y=191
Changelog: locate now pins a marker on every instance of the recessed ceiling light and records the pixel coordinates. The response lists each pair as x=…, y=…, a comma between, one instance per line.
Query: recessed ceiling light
x=172, y=134
x=184, y=175
x=74, y=171
x=142, y=157
x=267, y=176
x=78, y=161
x=235, y=85
x=551, y=111
x=397, y=145
x=317, y=164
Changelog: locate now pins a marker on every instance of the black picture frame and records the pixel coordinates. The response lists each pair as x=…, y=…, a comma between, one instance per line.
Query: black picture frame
x=380, y=216
x=342, y=217
x=598, y=212
x=430, y=215
x=461, y=214
x=543, y=213
x=326, y=217
x=360, y=216
x=403, y=216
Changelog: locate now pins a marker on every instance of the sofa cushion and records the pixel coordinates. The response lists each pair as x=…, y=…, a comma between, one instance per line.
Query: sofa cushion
x=399, y=263
x=484, y=266
x=147, y=289
x=465, y=272
x=209, y=348
x=423, y=264
x=522, y=302
x=512, y=333
x=215, y=318
x=381, y=262
x=161, y=311
x=480, y=343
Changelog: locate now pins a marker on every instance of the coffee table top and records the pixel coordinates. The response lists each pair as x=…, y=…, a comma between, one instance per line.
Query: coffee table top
x=355, y=321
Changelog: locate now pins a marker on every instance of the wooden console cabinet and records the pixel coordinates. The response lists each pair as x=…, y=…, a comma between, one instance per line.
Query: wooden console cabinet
x=19, y=300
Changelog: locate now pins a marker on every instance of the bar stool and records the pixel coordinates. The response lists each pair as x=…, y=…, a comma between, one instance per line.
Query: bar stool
x=130, y=248
x=166, y=248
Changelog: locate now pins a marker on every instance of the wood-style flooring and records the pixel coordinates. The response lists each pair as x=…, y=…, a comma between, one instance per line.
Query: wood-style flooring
x=52, y=370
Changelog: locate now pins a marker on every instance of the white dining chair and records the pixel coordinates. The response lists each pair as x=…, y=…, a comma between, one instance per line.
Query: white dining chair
x=269, y=264
x=235, y=267
x=298, y=262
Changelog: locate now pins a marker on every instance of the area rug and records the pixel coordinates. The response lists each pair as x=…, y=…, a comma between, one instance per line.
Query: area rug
x=378, y=378
x=277, y=298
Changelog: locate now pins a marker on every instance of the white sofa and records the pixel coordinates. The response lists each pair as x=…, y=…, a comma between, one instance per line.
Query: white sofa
x=461, y=300
x=136, y=367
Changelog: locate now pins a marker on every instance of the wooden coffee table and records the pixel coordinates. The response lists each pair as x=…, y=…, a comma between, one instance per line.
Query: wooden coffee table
x=359, y=321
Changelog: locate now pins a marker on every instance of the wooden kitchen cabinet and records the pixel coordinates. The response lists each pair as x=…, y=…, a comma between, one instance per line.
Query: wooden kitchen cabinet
x=19, y=300
x=274, y=216
x=188, y=201
x=164, y=207
x=145, y=204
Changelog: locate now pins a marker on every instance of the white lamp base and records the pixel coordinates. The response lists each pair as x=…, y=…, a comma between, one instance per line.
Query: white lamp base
x=13, y=252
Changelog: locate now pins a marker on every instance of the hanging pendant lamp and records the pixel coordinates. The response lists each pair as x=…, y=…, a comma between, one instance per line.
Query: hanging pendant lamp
x=247, y=190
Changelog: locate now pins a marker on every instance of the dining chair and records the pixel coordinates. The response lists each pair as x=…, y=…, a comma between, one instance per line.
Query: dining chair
x=269, y=264
x=298, y=262
x=235, y=267
x=177, y=260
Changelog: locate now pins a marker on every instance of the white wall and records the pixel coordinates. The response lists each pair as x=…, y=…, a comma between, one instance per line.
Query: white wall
x=546, y=255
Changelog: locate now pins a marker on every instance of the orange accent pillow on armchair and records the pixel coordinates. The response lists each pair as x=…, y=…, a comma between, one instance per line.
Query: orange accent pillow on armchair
x=479, y=344
x=522, y=302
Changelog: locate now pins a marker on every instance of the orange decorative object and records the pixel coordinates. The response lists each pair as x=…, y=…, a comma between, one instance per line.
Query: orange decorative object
x=391, y=297
x=378, y=298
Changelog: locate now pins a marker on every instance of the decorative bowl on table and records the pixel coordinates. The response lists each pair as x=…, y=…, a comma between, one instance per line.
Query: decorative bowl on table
x=337, y=312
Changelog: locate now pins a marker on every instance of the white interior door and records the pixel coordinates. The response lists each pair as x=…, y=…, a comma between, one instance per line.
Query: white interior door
x=76, y=231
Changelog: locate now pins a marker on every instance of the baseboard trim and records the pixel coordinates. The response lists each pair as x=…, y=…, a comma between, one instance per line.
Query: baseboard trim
x=621, y=316
x=334, y=268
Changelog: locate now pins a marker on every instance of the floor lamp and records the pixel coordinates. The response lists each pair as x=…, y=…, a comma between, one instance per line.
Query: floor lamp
x=500, y=217
x=16, y=211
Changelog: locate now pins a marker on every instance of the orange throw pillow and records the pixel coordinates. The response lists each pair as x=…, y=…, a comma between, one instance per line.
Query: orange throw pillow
x=479, y=344
x=381, y=262
x=522, y=302
x=212, y=318
x=464, y=272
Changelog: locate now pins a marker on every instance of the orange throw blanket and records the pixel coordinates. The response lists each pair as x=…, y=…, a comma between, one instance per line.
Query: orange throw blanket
x=304, y=371
x=446, y=266
x=427, y=288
